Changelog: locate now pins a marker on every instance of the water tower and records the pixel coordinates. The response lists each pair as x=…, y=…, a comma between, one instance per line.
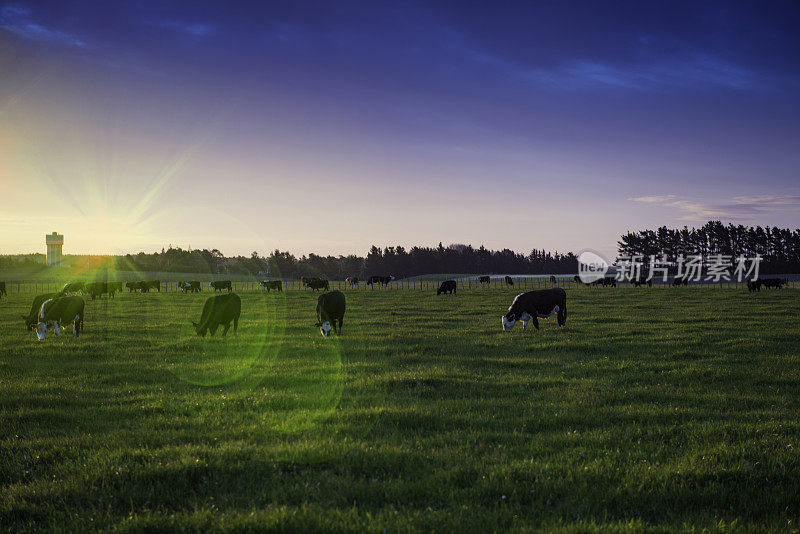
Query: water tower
x=54, y=243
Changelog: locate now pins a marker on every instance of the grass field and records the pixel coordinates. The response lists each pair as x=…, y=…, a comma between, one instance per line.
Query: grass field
x=663, y=409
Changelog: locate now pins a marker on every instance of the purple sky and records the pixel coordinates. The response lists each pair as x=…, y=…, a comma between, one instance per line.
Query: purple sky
x=328, y=127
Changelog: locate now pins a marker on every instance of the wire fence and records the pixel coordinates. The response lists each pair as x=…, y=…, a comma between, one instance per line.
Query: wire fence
x=519, y=283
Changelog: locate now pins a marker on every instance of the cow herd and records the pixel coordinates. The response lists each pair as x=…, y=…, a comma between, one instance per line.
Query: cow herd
x=53, y=311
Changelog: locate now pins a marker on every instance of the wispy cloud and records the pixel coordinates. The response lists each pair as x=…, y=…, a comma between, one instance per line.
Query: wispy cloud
x=191, y=29
x=19, y=21
x=739, y=208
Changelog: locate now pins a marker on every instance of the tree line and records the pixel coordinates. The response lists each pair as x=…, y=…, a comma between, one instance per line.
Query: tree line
x=778, y=247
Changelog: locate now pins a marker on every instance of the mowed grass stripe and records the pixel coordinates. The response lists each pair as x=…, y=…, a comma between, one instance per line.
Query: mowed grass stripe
x=654, y=408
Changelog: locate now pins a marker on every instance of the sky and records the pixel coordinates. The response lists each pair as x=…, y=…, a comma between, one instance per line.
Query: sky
x=327, y=127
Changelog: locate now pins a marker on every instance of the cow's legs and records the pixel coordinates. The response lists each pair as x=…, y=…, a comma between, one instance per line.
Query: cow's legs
x=235, y=324
x=225, y=330
x=56, y=329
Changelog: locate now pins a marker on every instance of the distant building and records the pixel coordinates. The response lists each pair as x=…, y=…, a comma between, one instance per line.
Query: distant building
x=54, y=243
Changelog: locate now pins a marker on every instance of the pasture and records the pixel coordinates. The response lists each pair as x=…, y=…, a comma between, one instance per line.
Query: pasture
x=662, y=409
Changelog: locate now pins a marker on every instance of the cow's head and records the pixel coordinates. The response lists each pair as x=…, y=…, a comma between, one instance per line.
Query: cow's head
x=324, y=328
x=509, y=320
x=41, y=331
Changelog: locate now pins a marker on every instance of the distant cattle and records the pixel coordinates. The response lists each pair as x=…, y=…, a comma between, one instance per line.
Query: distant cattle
x=58, y=312
x=330, y=309
x=577, y=279
x=509, y=281
x=774, y=283
x=607, y=281
x=448, y=286
x=220, y=285
x=219, y=310
x=3, y=289
x=534, y=304
x=318, y=284
x=681, y=280
x=97, y=289
x=380, y=280
x=271, y=284
x=33, y=316
x=154, y=284
x=351, y=280
x=640, y=280
x=305, y=280
x=73, y=287
x=190, y=287
x=754, y=285
x=552, y=279
x=484, y=279
x=141, y=286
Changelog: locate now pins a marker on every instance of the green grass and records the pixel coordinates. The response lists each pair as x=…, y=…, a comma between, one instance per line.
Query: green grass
x=662, y=409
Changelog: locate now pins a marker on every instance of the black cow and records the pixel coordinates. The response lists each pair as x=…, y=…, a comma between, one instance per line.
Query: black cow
x=3, y=289
x=219, y=310
x=154, y=284
x=222, y=284
x=318, y=284
x=553, y=279
x=57, y=312
x=96, y=289
x=605, y=282
x=577, y=279
x=681, y=280
x=380, y=280
x=191, y=287
x=33, y=316
x=641, y=280
x=776, y=283
x=330, y=308
x=754, y=285
x=271, y=284
x=534, y=304
x=73, y=287
x=484, y=279
x=305, y=280
x=509, y=281
x=140, y=286
x=448, y=286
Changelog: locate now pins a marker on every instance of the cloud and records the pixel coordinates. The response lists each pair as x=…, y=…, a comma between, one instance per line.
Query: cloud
x=192, y=29
x=739, y=208
x=19, y=21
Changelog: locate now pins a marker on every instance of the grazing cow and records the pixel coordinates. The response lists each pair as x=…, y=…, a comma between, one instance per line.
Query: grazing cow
x=330, y=308
x=3, y=289
x=641, y=280
x=318, y=284
x=776, y=283
x=73, y=287
x=577, y=279
x=305, y=280
x=351, y=280
x=222, y=284
x=534, y=304
x=140, y=286
x=380, y=280
x=154, y=284
x=509, y=281
x=552, y=279
x=271, y=284
x=57, y=312
x=96, y=289
x=484, y=279
x=33, y=316
x=219, y=310
x=191, y=287
x=754, y=285
x=448, y=286
x=681, y=280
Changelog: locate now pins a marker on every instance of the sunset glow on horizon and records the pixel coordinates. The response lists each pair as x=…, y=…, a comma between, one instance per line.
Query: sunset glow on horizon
x=129, y=128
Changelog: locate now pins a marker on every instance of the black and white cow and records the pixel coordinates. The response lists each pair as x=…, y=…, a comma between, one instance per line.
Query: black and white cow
x=2, y=289
x=448, y=286
x=271, y=284
x=73, y=287
x=330, y=308
x=60, y=311
x=484, y=279
x=33, y=315
x=219, y=310
x=190, y=287
x=534, y=304
x=220, y=285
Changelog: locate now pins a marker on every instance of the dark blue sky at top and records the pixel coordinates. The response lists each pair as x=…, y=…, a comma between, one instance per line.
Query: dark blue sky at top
x=697, y=95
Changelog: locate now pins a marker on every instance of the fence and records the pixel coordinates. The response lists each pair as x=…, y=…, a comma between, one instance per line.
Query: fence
x=520, y=283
